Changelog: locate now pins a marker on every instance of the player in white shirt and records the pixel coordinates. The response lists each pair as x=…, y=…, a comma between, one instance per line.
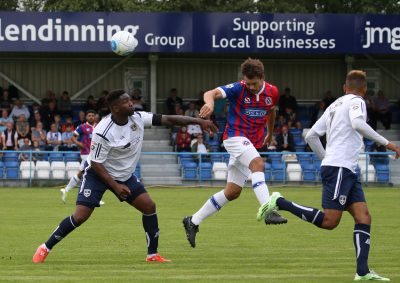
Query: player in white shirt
x=115, y=150
x=344, y=123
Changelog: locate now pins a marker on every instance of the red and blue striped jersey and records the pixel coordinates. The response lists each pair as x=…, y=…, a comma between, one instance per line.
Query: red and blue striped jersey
x=247, y=112
x=84, y=133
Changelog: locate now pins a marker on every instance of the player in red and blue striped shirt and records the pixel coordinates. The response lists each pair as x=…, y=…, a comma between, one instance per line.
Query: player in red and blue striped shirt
x=252, y=104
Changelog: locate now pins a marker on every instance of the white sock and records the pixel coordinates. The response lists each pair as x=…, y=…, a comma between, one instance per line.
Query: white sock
x=212, y=205
x=72, y=183
x=260, y=188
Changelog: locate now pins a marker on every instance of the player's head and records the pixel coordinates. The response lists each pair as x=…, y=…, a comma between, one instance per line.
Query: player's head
x=90, y=116
x=253, y=74
x=120, y=103
x=356, y=83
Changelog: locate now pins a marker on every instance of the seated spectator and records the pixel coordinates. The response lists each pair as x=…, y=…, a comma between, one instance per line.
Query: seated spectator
x=68, y=122
x=382, y=107
x=211, y=137
x=192, y=111
x=102, y=105
x=318, y=110
x=279, y=123
x=67, y=143
x=183, y=140
x=35, y=118
x=9, y=138
x=6, y=101
x=199, y=146
x=178, y=109
x=57, y=121
x=291, y=119
x=81, y=119
x=26, y=146
x=37, y=155
x=4, y=120
x=18, y=109
x=53, y=138
x=328, y=98
x=90, y=104
x=137, y=99
x=23, y=129
x=287, y=101
x=39, y=135
x=64, y=104
x=171, y=102
x=285, y=140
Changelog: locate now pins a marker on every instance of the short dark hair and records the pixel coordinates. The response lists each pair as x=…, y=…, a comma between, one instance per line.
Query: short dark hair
x=252, y=68
x=91, y=111
x=114, y=95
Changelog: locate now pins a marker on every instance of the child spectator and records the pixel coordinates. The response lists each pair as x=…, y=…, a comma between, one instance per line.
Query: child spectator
x=183, y=140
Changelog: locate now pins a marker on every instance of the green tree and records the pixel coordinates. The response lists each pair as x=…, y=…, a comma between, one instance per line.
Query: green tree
x=84, y=6
x=8, y=5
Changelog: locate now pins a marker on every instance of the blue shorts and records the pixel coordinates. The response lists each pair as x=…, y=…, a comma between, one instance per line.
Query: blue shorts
x=93, y=188
x=341, y=188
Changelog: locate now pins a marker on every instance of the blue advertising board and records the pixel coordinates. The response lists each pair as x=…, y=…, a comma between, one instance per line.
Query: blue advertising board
x=202, y=32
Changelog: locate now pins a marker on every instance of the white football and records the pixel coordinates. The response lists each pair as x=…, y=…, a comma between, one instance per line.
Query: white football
x=123, y=43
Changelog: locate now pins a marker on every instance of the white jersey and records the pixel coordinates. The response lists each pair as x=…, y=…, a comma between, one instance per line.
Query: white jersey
x=118, y=147
x=343, y=143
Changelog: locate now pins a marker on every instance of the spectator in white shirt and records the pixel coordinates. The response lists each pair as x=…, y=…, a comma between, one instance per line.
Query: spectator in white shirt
x=18, y=109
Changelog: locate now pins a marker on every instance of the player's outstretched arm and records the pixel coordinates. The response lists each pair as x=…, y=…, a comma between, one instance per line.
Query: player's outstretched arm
x=178, y=120
x=209, y=98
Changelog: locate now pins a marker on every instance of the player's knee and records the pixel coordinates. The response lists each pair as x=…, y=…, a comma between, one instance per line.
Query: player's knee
x=257, y=165
x=232, y=195
x=149, y=207
x=364, y=218
x=80, y=218
x=330, y=223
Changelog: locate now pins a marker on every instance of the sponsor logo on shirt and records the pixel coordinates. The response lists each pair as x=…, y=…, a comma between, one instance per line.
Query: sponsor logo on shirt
x=255, y=113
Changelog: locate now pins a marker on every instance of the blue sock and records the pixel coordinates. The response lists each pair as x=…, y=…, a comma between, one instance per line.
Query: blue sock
x=309, y=214
x=361, y=238
x=150, y=225
x=66, y=226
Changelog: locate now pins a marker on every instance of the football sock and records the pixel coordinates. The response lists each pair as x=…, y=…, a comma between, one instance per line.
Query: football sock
x=215, y=203
x=66, y=226
x=309, y=214
x=361, y=238
x=260, y=188
x=73, y=182
x=150, y=225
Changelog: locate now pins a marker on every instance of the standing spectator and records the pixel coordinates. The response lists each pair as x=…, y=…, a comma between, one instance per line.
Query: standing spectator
x=102, y=104
x=39, y=135
x=9, y=137
x=285, y=140
x=382, y=106
x=35, y=118
x=81, y=119
x=65, y=104
x=328, y=98
x=23, y=129
x=172, y=100
x=287, y=100
x=90, y=104
x=18, y=109
x=48, y=112
x=137, y=99
x=371, y=111
x=318, y=110
x=53, y=138
x=6, y=101
x=183, y=140
x=4, y=120
x=192, y=111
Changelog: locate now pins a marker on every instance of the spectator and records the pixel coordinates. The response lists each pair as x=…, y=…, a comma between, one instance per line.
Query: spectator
x=291, y=119
x=199, y=146
x=102, y=105
x=382, y=106
x=4, y=120
x=137, y=99
x=178, y=109
x=57, y=121
x=13, y=92
x=192, y=111
x=26, y=146
x=35, y=118
x=36, y=148
x=81, y=118
x=273, y=145
x=9, y=137
x=69, y=122
x=285, y=140
x=48, y=112
x=90, y=104
x=23, y=129
x=287, y=101
x=328, y=98
x=67, y=143
x=65, y=104
x=183, y=140
x=371, y=111
x=172, y=100
x=319, y=109
x=6, y=101
x=211, y=137
x=39, y=135
x=51, y=97
x=18, y=109
x=53, y=138
x=200, y=100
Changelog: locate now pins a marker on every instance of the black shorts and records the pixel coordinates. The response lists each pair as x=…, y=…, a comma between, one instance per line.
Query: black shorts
x=341, y=188
x=93, y=188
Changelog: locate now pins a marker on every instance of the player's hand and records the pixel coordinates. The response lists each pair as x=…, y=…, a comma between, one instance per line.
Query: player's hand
x=268, y=139
x=394, y=148
x=208, y=126
x=206, y=110
x=122, y=191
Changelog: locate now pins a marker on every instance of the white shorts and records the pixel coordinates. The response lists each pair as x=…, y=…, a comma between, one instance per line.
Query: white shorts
x=84, y=158
x=242, y=152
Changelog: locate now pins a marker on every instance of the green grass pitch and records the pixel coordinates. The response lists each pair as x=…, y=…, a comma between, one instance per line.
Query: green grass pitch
x=231, y=245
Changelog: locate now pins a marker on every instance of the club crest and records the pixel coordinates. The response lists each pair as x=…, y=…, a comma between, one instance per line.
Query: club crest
x=133, y=126
x=87, y=192
x=268, y=100
x=342, y=199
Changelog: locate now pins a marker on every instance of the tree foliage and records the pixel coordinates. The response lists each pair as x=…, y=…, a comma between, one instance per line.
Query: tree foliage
x=241, y=6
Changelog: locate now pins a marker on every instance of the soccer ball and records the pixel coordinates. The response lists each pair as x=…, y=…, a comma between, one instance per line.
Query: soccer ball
x=123, y=43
